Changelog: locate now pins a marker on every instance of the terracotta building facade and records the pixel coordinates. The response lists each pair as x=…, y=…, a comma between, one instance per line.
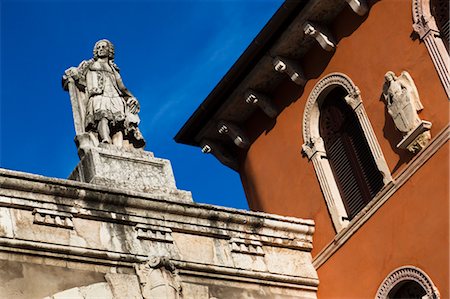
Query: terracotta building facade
x=338, y=112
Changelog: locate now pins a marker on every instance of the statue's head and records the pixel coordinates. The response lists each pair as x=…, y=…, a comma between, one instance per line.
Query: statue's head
x=389, y=76
x=101, y=46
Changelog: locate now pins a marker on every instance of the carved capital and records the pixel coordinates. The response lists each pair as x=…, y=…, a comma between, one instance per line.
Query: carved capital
x=159, y=278
x=358, y=6
x=354, y=99
x=289, y=68
x=320, y=34
x=220, y=152
x=313, y=146
x=234, y=132
x=423, y=29
x=262, y=101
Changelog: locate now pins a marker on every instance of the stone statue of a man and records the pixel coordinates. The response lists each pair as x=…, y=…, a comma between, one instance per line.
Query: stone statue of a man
x=107, y=110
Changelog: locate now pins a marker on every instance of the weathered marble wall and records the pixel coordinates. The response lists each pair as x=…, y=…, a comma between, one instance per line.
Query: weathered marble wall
x=67, y=239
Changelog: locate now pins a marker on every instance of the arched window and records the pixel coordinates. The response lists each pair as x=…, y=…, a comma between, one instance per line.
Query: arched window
x=348, y=153
x=340, y=142
x=407, y=282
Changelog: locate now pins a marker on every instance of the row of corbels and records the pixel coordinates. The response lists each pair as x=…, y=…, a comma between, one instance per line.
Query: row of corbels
x=282, y=65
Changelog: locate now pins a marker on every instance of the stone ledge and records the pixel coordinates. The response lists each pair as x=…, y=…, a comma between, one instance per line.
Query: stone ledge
x=114, y=259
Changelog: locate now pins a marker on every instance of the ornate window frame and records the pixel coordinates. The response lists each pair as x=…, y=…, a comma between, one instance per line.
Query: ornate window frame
x=425, y=26
x=407, y=273
x=314, y=147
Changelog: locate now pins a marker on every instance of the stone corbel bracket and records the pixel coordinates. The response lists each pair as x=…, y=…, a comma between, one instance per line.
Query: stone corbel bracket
x=246, y=246
x=290, y=68
x=360, y=7
x=418, y=138
x=320, y=34
x=234, y=132
x=53, y=218
x=220, y=152
x=262, y=101
x=153, y=233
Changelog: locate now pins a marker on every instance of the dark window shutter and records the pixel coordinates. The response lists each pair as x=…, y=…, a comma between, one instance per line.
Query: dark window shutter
x=349, y=155
x=440, y=11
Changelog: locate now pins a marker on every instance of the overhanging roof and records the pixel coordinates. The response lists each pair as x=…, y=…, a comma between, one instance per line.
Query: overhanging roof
x=246, y=62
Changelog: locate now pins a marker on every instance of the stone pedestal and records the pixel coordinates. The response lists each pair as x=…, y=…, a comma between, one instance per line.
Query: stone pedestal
x=135, y=170
x=418, y=138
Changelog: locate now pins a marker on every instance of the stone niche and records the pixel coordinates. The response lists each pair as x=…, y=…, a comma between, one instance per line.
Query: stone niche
x=68, y=239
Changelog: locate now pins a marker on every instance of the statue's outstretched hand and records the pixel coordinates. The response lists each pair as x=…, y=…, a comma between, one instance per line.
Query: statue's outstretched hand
x=133, y=105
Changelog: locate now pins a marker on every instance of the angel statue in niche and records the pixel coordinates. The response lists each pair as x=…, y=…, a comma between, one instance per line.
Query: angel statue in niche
x=105, y=111
x=403, y=103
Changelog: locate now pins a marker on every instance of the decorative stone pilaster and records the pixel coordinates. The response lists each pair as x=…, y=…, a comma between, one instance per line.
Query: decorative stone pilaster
x=289, y=68
x=321, y=35
x=234, y=132
x=262, y=101
x=314, y=149
x=425, y=26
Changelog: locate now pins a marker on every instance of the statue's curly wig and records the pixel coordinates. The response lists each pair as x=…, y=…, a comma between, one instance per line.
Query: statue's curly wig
x=111, y=49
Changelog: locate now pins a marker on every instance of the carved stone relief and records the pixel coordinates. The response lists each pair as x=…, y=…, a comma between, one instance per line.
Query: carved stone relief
x=159, y=278
x=403, y=103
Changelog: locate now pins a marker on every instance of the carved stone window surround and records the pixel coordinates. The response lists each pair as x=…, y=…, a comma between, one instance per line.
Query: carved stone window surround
x=404, y=274
x=315, y=150
x=425, y=26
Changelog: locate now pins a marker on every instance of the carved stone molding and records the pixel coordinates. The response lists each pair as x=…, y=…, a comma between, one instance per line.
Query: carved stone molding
x=262, y=101
x=53, y=218
x=358, y=6
x=154, y=233
x=321, y=35
x=404, y=274
x=290, y=68
x=424, y=24
x=246, y=246
x=234, y=132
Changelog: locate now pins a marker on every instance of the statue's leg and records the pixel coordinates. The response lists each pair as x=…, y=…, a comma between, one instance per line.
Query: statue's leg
x=117, y=139
x=104, y=131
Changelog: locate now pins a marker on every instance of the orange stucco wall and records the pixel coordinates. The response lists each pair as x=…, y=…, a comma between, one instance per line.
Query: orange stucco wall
x=277, y=179
x=411, y=228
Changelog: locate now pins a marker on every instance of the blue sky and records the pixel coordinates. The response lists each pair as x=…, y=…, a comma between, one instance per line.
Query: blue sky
x=171, y=55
